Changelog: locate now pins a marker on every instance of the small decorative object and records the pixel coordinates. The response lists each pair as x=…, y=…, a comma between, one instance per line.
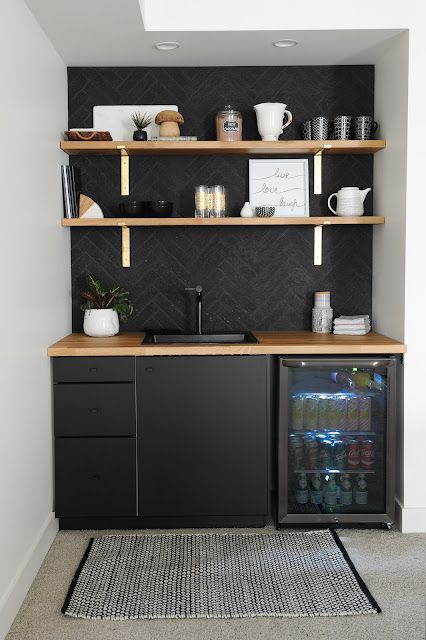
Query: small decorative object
x=320, y=127
x=364, y=125
x=169, y=122
x=247, y=211
x=87, y=135
x=229, y=124
x=270, y=117
x=306, y=130
x=217, y=201
x=350, y=201
x=89, y=208
x=280, y=183
x=141, y=121
x=174, y=139
x=342, y=127
x=322, y=313
x=264, y=212
x=103, y=308
x=202, y=201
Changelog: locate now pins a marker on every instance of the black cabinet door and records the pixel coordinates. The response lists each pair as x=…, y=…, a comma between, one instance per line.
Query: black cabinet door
x=95, y=476
x=203, y=435
x=106, y=409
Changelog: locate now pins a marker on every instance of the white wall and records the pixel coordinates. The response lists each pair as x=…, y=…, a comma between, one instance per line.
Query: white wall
x=35, y=293
x=390, y=182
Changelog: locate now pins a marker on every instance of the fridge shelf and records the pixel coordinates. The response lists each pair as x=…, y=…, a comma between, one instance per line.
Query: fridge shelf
x=330, y=432
x=353, y=471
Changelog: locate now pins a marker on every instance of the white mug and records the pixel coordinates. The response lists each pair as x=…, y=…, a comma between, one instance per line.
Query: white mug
x=270, y=116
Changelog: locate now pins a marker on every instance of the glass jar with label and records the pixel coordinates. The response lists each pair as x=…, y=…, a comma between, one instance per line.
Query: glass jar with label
x=229, y=124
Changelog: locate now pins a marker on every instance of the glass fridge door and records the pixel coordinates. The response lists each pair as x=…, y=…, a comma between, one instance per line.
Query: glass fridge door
x=335, y=429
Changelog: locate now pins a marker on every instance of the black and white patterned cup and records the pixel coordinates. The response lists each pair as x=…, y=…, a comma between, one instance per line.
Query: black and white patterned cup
x=319, y=128
x=306, y=130
x=364, y=126
x=264, y=212
x=342, y=127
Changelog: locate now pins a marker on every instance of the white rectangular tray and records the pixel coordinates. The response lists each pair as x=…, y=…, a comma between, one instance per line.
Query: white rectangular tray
x=117, y=119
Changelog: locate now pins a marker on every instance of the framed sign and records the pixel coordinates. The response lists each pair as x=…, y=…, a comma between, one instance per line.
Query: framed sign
x=279, y=183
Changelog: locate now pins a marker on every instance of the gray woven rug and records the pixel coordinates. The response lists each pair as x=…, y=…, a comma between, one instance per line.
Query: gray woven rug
x=214, y=575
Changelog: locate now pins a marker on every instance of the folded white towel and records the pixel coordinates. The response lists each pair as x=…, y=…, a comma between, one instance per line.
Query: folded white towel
x=348, y=327
x=351, y=332
x=352, y=320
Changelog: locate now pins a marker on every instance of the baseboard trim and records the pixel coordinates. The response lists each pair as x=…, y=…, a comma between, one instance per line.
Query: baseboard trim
x=11, y=600
x=410, y=519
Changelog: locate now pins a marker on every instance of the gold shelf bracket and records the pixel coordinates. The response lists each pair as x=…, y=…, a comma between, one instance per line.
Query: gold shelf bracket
x=318, y=169
x=125, y=246
x=124, y=170
x=318, y=245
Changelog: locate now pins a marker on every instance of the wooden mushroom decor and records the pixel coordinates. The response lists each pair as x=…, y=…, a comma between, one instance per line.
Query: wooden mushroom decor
x=169, y=122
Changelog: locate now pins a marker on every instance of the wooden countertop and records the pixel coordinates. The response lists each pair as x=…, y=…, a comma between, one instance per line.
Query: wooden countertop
x=270, y=342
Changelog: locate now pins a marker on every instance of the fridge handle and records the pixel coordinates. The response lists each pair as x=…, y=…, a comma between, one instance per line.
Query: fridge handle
x=306, y=363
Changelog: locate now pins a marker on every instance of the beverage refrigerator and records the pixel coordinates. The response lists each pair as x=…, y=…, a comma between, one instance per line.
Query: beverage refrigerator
x=336, y=440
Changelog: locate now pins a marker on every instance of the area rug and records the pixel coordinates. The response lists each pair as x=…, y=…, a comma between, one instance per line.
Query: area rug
x=216, y=575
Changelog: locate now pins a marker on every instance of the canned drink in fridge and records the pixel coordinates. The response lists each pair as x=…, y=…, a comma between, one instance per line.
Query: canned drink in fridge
x=337, y=412
x=367, y=454
x=339, y=454
x=297, y=412
x=310, y=410
x=365, y=413
x=323, y=404
x=325, y=457
x=352, y=414
x=311, y=452
x=353, y=454
x=295, y=452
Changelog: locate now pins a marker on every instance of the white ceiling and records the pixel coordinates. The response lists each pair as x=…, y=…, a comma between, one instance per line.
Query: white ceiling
x=112, y=33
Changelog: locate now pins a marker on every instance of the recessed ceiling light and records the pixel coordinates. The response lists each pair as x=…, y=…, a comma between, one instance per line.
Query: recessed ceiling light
x=166, y=46
x=282, y=44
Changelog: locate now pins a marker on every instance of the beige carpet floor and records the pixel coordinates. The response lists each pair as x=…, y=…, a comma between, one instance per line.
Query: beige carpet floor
x=393, y=566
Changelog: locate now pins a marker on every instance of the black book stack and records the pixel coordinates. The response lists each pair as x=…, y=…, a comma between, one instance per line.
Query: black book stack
x=69, y=190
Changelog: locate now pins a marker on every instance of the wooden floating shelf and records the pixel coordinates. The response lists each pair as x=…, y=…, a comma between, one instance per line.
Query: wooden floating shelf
x=213, y=147
x=220, y=222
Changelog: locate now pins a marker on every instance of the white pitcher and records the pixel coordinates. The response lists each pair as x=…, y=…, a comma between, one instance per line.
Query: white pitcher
x=350, y=201
x=270, y=116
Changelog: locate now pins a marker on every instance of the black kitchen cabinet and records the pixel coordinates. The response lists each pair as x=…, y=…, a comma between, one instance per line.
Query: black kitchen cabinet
x=95, y=440
x=95, y=477
x=203, y=439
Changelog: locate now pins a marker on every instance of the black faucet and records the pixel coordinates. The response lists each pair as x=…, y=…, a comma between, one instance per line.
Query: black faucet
x=199, y=310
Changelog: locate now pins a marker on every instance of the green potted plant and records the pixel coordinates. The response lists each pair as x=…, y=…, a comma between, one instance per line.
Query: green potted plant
x=104, y=307
x=141, y=121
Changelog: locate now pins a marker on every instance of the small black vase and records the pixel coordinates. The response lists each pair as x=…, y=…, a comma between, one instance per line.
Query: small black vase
x=139, y=135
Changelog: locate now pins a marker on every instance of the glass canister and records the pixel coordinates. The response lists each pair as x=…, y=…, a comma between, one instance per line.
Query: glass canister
x=202, y=201
x=229, y=124
x=217, y=201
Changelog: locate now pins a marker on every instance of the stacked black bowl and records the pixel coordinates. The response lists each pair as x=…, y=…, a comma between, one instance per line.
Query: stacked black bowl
x=146, y=209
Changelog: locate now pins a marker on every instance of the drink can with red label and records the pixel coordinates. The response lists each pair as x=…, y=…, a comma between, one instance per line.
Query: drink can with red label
x=365, y=413
x=367, y=454
x=353, y=454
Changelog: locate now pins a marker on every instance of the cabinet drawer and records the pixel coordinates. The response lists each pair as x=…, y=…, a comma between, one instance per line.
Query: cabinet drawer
x=93, y=369
x=95, y=477
x=106, y=409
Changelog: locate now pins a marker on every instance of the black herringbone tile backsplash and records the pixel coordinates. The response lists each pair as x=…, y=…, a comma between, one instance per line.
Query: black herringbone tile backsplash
x=254, y=278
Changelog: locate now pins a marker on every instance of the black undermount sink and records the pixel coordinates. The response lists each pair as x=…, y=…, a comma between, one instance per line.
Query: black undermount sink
x=200, y=338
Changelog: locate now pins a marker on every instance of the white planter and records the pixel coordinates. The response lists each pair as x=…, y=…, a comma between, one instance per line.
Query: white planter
x=101, y=323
